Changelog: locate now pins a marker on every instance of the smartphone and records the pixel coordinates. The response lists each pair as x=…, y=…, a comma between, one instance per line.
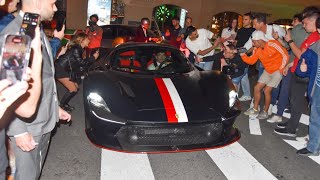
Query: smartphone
x=60, y=23
x=29, y=23
x=242, y=50
x=14, y=57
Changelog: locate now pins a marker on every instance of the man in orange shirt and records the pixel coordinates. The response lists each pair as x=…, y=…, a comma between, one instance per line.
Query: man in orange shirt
x=274, y=58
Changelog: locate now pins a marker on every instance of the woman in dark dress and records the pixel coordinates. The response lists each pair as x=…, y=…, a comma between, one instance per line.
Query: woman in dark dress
x=68, y=67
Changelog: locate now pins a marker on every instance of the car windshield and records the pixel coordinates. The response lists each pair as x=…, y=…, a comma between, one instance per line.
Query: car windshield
x=150, y=60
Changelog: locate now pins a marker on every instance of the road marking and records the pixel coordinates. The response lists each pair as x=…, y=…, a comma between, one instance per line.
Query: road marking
x=299, y=145
x=254, y=125
x=237, y=163
x=124, y=166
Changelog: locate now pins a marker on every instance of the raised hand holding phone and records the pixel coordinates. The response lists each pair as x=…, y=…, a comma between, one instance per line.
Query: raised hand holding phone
x=14, y=57
x=29, y=23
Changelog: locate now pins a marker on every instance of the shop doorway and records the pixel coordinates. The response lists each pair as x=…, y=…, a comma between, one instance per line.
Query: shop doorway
x=221, y=21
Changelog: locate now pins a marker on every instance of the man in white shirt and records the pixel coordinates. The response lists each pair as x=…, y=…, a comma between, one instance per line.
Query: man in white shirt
x=198, y=42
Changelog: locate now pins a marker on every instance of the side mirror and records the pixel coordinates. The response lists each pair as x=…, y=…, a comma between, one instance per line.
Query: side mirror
x=228, y=70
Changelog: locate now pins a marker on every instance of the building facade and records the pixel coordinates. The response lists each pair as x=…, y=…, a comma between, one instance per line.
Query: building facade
x=201, y=11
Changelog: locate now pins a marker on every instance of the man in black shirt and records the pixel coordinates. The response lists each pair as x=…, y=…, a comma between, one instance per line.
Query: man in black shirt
x=175, y=39
x=234, y=60
x=245, y=32
x=242, y=37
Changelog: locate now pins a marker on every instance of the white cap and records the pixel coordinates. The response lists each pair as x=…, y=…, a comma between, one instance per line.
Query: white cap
x=280, y=30
x=258, y=35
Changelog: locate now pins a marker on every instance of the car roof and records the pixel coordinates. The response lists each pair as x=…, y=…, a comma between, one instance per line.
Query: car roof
x=135, y=44
x=120, y=25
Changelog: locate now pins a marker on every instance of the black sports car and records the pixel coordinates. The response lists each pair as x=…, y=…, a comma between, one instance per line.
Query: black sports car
x=150, y=98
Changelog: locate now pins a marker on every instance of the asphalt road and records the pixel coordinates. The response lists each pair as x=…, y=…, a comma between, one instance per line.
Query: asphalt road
x=266, y=156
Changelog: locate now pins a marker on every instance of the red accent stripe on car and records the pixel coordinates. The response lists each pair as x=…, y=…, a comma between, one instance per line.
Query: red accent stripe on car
x=167, y=101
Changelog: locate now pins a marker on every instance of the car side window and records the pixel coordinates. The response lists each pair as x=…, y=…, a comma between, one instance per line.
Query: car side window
x=109, y=33
x=125, y=31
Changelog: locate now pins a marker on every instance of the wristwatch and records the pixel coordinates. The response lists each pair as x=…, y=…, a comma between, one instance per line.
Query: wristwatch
x=290, y=41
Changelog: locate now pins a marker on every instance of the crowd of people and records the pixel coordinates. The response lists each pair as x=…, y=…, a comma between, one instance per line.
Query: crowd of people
x=30, y=108
x=286, y=61
x=289, y=66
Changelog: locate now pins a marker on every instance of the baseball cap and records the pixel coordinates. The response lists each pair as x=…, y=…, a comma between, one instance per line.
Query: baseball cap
x=258, y=35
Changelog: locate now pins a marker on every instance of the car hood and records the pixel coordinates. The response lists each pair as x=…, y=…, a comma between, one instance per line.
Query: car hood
x=188, y=97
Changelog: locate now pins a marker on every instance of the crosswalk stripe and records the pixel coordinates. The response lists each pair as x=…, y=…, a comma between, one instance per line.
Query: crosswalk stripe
x=124, y=166
x=254, y=125
x=237, y=163
x=299, y=145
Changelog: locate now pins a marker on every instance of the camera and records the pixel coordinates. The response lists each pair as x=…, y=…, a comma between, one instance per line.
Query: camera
x=242, y=50
x=91, y=25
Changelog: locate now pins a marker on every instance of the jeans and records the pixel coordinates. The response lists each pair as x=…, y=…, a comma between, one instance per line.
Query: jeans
x=282, y=93
x=314, y=126
x=297, y=100
x=245, y=84
x=205, y=65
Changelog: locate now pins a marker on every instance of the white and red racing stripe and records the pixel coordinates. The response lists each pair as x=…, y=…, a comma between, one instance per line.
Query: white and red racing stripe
x=172, y=102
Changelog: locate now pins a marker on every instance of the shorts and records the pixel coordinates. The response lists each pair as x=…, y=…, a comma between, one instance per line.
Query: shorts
x=271, y=80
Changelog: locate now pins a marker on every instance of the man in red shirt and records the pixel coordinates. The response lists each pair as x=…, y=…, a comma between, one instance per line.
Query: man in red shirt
x=95, y=35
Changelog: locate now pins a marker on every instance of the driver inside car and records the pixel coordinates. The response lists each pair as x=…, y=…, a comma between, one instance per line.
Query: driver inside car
x=160, y=61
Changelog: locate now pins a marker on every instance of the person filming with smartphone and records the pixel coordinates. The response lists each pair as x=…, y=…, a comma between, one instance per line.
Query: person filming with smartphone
x=94, y=33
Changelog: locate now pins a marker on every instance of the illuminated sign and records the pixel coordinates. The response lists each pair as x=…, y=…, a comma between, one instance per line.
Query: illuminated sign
x=102, y=8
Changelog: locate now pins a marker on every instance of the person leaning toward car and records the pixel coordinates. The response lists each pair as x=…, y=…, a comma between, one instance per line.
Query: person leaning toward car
x=68, y=68
x=234, y=60
x=198, y=42
x=142, y=32
x=274, y=58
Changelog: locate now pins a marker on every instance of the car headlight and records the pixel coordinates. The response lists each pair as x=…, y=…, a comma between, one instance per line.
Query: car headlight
x=232, y=97
x=97, y=102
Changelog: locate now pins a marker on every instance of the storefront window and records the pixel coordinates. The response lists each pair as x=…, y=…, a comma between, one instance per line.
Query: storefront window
x=221, y=21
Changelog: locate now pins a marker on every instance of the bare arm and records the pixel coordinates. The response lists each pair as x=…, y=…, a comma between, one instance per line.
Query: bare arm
x=208, y=50
x=294, y=48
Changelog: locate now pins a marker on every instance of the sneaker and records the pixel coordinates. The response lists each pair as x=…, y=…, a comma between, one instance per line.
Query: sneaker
x=282, y=124
x=303, y=139
x=306, y=152
x=270, y=110
x=284, y=132
x=275, y=119
x=263, y=115
x=251, y=111
x=245, y=98
x=287, y=111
